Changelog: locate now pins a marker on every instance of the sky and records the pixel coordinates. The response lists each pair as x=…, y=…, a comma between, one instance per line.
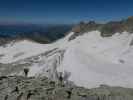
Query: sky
x=63, y=11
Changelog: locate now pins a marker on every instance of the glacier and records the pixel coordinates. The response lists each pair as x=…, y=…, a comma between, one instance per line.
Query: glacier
x=90, y=59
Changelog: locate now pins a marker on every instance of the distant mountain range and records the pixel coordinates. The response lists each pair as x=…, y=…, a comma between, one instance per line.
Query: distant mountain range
x=39, y=33
x=51, y=32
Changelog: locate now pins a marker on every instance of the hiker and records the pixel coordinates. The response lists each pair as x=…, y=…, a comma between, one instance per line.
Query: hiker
x=60, y=78
x=26, y=70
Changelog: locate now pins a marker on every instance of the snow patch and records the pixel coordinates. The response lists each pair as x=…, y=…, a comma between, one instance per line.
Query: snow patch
x=90, y=59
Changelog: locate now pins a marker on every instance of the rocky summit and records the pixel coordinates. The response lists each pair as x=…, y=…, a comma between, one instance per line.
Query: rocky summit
x=31, y=88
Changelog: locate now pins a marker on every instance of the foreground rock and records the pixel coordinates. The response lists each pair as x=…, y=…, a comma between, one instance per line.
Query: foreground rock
x=22, y=88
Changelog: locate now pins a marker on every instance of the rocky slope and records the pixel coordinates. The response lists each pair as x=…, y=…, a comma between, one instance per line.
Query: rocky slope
x=23, y=88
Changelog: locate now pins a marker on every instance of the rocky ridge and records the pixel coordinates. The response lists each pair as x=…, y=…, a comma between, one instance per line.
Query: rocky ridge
x=107, y=29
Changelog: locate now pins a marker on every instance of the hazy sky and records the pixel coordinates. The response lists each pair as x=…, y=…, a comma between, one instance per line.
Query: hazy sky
x=63, y=11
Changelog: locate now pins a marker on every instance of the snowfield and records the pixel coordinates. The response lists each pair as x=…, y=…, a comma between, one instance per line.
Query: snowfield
x=90, y=59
